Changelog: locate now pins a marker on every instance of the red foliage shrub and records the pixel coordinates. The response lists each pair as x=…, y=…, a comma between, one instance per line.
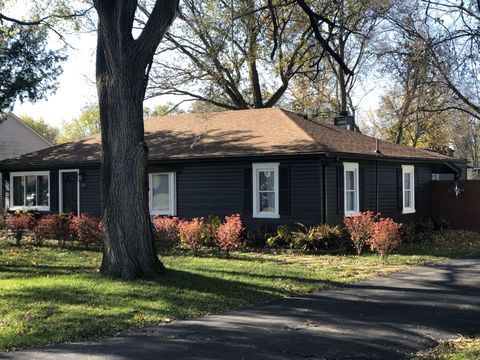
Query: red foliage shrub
x=166, y=229
x=42, y=229
x=190, y=233
x=87, y=229
x=54, y=226
x=58, y=227
x=19, y=224
x=228, y=236
x=360, y=228
x=386, y=236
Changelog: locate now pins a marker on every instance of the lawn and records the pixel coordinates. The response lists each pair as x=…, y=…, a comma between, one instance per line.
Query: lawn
x=52, y=295
x=463, y=348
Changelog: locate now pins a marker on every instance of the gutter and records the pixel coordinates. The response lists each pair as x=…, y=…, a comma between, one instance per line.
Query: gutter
x=458, y=171
x=8, y=164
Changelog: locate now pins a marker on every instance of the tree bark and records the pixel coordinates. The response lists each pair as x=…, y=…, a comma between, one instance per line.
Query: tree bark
x=122, y=73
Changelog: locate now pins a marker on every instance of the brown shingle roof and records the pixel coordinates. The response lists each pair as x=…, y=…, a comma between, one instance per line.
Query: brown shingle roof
x=232, y=134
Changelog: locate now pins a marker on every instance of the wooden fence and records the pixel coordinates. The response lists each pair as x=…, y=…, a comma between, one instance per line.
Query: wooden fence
x=462, y=211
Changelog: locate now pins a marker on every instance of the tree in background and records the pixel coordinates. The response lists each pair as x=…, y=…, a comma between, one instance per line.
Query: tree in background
x=49, y=132
x=451, y=33
x=315, y=98
x=28, y=70
x=351, y=34
x=356, y=27
x=168, y=108
x=28, y=67
x=219, y=52
x=87, y=124
x=465, y=134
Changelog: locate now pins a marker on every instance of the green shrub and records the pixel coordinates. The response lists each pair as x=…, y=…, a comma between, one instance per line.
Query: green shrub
x=316, y=238
x=425, y=225
x=209, y=230
x=3, y=219
x=441, y=223
x=416, y=232
x=281, y=239
x=257, y=237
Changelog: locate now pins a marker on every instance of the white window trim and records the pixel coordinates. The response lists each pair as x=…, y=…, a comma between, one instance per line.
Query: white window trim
x=29, y=173
x=172, y=196
x=408, y=169
x=257, y=167
x=348, y=166
x=60, y=189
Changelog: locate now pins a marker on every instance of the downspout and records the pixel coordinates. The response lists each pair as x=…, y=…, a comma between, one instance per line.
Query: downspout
x=324, y=193
x=377, y=188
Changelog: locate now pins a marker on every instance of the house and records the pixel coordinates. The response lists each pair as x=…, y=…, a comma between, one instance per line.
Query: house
x=270, y=165
x=17, y=138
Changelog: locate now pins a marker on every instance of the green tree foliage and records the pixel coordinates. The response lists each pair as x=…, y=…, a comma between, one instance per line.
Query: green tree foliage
x=28, y=69
x=88, y=123
x=49, y=132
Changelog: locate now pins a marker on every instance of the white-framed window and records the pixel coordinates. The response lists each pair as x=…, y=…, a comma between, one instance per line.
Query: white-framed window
x=162, y=193
x=408, y=189
x=350, y=185
x=265, y=190
x=30, y=190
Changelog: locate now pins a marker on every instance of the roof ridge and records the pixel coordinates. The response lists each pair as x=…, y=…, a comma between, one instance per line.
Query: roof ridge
x=19, y=120
x=286, y=113
x=214, y=112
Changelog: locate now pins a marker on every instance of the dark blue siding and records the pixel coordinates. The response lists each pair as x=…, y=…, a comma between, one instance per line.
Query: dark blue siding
x=387, y=190
x=218, y=189
x=315, y=192
x=90, y=200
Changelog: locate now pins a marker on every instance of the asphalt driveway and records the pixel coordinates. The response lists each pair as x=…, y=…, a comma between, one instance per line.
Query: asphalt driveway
x=387, y=318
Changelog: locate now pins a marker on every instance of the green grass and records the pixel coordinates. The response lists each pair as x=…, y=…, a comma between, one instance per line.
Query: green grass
x=464, y=348
x=52, y=295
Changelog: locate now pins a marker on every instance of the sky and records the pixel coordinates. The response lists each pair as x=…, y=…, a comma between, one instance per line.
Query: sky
x=76, y=85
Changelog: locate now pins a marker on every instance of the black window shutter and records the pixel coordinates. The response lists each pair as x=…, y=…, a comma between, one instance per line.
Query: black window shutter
x=399, y=190
x=340, y=190
x=361, y=185
x=284, y=190
x=416, y=187
x=247, y=190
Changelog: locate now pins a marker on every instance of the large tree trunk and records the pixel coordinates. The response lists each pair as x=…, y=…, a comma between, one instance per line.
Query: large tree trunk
x=129, y=246
x=122, y=64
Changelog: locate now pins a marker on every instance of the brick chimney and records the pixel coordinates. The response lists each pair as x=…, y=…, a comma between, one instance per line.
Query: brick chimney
x=345, y=120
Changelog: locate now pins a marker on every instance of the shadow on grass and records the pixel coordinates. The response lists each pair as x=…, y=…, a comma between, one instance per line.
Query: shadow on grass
x=22, y=271
x=387, y=319
x=92, y=305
